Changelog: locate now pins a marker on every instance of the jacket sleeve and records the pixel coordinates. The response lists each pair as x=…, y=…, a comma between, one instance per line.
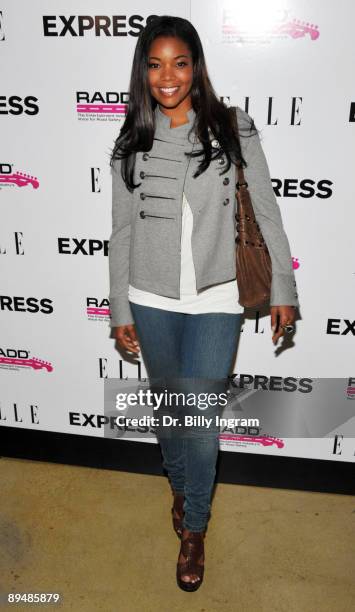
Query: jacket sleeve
x=119, y=249
x=268, y=215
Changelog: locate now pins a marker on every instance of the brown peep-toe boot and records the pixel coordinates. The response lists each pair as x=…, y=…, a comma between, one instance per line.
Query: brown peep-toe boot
x=177, y=512
x=191, y=560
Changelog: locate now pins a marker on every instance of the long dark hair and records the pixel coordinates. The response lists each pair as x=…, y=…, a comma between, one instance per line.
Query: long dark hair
x=137, y=132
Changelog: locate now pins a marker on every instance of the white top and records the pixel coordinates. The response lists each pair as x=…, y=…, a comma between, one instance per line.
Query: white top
x=221, y=297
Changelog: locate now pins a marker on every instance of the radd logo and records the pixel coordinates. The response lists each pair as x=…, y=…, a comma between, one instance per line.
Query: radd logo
x=98, y=106
x=17, y=359
x=98, y=310
x=16, y=178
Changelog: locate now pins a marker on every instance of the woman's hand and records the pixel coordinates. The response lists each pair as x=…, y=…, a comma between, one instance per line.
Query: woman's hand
x=286, y=314
x=126, y=337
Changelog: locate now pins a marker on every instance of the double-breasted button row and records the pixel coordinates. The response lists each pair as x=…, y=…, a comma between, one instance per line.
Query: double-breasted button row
x=226, y=182
x=215, y=145
x=221, y=160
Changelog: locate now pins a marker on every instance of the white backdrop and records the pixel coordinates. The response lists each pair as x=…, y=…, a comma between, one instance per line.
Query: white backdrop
x=289, y=64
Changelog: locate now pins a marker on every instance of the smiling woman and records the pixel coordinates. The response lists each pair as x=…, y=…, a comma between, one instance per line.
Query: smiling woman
x=170, y=77
x=161, y=78
x=172, y=255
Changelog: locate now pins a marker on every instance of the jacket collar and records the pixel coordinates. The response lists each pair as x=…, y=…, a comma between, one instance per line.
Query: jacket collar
x=178, y=135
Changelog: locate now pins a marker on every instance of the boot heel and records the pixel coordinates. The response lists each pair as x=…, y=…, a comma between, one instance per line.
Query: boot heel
x=192, y=549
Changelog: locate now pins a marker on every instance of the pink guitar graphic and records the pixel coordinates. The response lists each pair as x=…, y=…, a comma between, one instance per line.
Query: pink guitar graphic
x=20, y=179
x=33, y=362
x=297, y=29
x=264, y=440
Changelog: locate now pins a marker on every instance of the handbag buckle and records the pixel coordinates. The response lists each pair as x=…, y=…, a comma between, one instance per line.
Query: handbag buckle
x=238, y=184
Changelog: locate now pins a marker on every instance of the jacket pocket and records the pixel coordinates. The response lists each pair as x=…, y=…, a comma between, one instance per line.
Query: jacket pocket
x=155, y=246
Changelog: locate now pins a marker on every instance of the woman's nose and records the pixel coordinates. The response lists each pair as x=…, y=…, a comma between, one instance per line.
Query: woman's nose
x=167, y=72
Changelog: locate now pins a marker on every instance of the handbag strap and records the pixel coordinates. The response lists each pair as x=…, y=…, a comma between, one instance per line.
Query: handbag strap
x=242, y=195
x=240, y=173
x=247, y=226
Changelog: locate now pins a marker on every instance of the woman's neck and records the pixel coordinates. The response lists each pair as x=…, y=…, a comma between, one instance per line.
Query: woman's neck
x=178, y=135
x=178, y=116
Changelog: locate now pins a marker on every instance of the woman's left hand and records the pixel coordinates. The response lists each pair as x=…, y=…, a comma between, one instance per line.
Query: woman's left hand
x=287, y=315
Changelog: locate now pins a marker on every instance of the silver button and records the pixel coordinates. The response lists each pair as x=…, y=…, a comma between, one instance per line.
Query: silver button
x=215, y=144
x=221, y=161
x=145, y=156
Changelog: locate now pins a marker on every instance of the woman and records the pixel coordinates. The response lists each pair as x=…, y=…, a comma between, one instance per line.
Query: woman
x=173, y=288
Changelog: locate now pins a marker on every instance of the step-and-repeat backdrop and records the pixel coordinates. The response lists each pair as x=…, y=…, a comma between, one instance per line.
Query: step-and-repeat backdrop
x=64, y=74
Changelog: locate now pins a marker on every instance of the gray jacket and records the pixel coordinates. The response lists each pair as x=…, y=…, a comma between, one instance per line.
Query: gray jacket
x=144, y=247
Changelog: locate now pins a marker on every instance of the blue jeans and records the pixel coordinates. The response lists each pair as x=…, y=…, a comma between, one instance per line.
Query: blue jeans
x=191, y=348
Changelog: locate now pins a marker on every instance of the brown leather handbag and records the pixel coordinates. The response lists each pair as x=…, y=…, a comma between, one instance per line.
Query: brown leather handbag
x=253, y=262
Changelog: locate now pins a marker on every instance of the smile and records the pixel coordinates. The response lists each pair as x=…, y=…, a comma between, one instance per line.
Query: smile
x=168, y=91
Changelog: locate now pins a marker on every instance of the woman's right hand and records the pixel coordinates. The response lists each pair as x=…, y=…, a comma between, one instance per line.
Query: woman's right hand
x=126, y=337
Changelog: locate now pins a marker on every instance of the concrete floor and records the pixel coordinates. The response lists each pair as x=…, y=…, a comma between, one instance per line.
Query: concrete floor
x=103, y=539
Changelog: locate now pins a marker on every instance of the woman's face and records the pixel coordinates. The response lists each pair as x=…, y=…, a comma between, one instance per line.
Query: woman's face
x=170, y=71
